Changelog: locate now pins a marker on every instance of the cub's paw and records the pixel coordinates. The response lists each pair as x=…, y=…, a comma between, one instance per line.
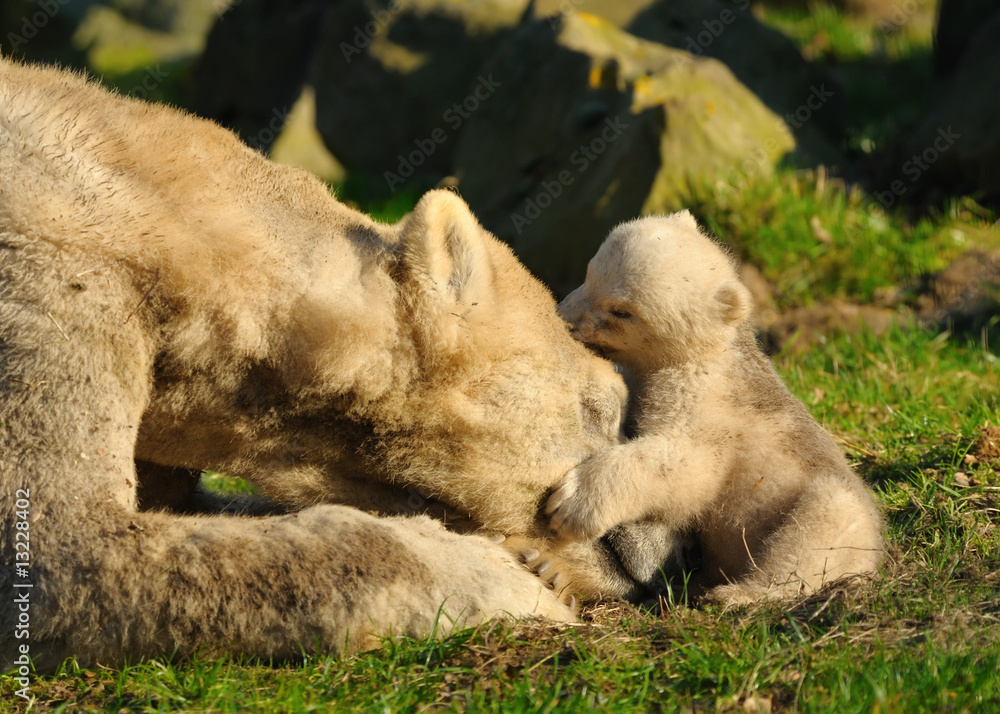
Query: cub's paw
x=574, y=509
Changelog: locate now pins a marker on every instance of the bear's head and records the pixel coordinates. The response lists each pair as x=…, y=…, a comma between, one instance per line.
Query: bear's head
x=658, y=292
x=504, y=402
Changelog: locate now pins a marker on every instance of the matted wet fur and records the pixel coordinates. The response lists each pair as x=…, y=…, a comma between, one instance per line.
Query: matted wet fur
x=722, y=451
x=171, y=299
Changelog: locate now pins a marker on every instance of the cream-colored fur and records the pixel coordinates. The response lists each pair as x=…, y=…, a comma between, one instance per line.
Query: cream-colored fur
x=721, y=448
x=171, y=301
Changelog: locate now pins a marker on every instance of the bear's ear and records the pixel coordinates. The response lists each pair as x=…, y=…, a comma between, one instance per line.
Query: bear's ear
x=686, y=218
x=735, y=303
x=446, y=267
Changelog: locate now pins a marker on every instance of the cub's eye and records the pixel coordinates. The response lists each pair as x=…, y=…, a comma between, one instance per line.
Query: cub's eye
x=621, y=314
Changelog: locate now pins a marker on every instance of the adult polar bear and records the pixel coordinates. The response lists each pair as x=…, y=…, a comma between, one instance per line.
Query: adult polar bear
x=170, y=298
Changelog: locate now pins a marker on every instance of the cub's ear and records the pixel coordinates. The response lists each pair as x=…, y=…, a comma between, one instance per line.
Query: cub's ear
x=685, y=218
x=734, y=301
x=446, y=269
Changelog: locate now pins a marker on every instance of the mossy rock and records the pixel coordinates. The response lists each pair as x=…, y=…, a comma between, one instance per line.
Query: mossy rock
x=592, y=126
x=761, y=57
x=618, y=12
x=767, y=62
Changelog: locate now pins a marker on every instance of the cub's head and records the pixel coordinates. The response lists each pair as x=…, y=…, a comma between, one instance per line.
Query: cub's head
x=658, y=292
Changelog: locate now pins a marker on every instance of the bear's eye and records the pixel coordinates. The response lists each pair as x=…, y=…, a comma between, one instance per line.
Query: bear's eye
x=621, y=314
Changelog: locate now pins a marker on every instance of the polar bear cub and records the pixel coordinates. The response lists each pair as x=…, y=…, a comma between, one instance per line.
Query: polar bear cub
x=720, y=447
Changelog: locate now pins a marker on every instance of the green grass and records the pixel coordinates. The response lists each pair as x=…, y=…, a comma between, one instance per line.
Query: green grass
x=923, y=636
x=816, y=238
x=883, y=67
x=223, y=483
x=370, y=194
x=826, y=34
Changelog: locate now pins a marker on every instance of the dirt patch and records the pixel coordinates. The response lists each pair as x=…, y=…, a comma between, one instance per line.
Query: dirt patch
x=965, y=295
x=801, y=328
x=987, y=446
x=966, y=292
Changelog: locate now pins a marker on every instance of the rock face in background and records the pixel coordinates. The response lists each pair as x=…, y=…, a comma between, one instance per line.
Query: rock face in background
x=557, y=128
x=618, y=12
x=24, y=33
x=299, y=144
x=387, y=75
x=958, y=23
x=873, y=9
x=763, y=59
x=255, y=65
x=956, y=148
x=593, y=126
x=165, y=29
x=396, y=81
x=117, y=31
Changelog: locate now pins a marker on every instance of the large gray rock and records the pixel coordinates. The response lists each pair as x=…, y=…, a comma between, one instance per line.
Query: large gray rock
x=958, y=23
x=396, y=81
x=618, y=12
x=956, y=148
x=120, y=34
x=299, y=144
x=593, y=126
x=255, y=65
x=762, y=58
x=30, y=31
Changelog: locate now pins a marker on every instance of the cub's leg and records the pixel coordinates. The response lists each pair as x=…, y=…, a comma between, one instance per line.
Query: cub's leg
x=834, y=531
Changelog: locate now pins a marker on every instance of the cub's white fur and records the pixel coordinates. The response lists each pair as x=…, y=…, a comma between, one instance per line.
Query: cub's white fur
x=722, y=449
